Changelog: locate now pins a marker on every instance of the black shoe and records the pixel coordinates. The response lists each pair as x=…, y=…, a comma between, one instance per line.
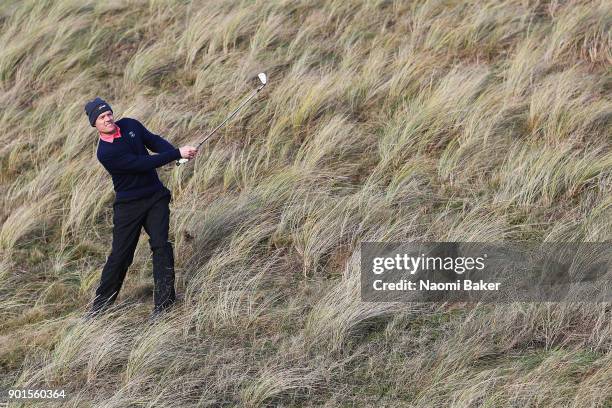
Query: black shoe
x=90, y=315
x=158, y=313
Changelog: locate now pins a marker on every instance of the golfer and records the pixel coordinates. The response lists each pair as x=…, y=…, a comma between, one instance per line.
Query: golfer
x=141, y=200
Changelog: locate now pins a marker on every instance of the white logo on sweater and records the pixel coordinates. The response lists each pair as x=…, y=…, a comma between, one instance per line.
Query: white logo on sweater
x=132, y=134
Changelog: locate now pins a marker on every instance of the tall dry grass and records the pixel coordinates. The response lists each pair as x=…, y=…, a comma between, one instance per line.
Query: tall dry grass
x=383, y=120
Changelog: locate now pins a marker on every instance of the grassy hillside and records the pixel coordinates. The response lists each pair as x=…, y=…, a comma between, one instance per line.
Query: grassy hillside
x=441, y=120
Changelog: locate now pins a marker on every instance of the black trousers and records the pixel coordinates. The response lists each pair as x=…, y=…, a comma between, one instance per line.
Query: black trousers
x=152, y=213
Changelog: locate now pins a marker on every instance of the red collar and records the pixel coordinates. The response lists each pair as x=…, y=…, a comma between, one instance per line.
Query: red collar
x=110, y=138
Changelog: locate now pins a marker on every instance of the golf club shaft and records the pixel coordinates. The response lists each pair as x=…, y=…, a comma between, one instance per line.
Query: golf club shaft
x=179, y=162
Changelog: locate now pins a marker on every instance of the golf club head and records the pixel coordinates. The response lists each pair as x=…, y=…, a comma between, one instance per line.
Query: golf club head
x=263, y=78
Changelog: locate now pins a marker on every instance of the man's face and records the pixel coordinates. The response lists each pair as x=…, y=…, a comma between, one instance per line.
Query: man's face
x=105, y=122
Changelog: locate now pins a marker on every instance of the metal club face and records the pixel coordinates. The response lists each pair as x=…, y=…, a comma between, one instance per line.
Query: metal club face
x=263, y=78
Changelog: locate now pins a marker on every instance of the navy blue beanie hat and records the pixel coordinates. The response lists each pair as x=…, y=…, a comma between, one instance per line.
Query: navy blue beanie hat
x=94, y=108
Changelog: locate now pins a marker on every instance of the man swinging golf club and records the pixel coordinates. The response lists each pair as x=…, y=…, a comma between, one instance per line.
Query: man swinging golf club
x=141, y=200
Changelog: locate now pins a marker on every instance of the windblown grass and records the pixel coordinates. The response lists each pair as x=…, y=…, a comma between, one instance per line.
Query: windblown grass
x=426, y=120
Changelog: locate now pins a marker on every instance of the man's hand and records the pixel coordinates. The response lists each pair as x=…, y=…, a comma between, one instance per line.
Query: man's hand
x=188, y=152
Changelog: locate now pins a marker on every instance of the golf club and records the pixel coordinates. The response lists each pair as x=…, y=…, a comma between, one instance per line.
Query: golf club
x=263, y=79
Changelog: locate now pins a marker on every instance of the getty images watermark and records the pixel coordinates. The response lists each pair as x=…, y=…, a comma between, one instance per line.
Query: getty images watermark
x=474, y=271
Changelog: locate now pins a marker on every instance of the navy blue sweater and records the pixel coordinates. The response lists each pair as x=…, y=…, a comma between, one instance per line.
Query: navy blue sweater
x=130, y=164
